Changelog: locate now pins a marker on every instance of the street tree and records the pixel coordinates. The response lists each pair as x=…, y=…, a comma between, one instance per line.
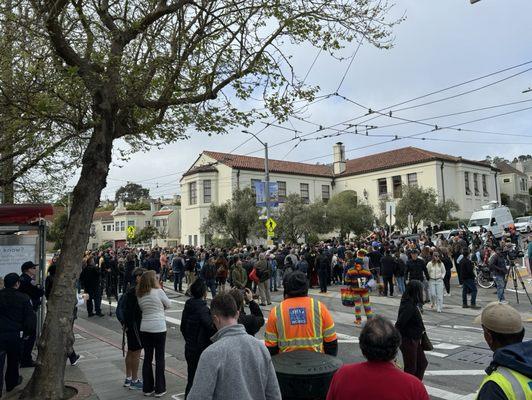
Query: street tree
x=132, y=193
x=236, y=218
x=290, y=217
x=145, y=235
x=422, y=204
x=347, y=215
x=56, y=233
x=153, y=70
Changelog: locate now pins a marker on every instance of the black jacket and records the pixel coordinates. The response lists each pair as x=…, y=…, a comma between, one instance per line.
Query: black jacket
x=35, y=293
x=90, y=278
x=254, y=321
x=401, y=267
x=409, y=321
x=416, y=269
x=196, y=325
x=388, y=266
x=466, y=268
x=374, y=260
x=16, y=313
x=132, y=311
x=323, y=263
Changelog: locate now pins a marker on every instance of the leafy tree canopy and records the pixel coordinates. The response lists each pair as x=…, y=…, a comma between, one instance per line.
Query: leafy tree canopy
x=237, y=218
x=348, y=215
x=138, y=206
x=132, y=193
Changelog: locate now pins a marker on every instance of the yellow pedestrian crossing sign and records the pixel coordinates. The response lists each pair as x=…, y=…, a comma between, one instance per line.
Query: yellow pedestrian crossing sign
x=131, y=231
x=270, y=226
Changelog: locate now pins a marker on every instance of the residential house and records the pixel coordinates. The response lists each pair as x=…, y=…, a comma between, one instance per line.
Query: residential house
x=514, y=183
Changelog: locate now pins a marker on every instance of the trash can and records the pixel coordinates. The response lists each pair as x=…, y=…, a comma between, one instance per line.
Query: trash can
x=305, y=375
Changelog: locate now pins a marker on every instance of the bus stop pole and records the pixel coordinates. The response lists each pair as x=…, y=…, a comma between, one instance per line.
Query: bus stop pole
x=42, y=270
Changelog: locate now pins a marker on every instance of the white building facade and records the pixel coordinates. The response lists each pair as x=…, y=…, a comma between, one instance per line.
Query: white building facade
x=214, y=176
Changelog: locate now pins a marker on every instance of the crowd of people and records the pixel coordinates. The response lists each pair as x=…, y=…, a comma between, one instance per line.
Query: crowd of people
x=417, y=268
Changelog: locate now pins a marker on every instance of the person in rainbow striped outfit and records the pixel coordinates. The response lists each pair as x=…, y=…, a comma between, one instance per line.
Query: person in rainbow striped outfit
x=358, y=280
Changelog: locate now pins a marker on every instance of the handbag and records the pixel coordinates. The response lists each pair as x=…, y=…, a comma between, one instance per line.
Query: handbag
x=348, y=297
x=426, y=344
x=253, y=275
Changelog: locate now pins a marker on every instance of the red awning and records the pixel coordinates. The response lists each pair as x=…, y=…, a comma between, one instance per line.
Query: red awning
x=24, y=214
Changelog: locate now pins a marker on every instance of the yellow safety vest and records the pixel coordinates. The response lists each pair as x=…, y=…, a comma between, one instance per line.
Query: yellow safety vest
x=515, y=386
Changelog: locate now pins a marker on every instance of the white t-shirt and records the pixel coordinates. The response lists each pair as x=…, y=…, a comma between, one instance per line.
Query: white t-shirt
x=153, y=306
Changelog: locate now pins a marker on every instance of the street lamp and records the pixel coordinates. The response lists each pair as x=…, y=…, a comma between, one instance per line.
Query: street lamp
x=266, y=174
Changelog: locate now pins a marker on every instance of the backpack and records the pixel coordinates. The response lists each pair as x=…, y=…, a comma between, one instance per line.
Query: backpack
x=121, y=309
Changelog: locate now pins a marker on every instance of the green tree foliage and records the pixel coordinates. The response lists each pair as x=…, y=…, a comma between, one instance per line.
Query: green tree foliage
x=138, y=206
x=297, y=220
x=145, y=235
x=347, y=215
x=132, y=193
x=56, y=233
x=423, y=205
x=236, y=219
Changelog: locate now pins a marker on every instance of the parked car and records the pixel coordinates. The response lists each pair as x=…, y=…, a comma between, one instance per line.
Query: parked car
x=447, y=234
x=523, y=224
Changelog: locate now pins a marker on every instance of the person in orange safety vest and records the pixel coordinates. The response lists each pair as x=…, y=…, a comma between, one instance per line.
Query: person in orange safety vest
x=300, y=322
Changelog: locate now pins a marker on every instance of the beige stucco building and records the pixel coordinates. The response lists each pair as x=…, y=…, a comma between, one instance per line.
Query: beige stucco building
x=514, y=183
x=213, y=177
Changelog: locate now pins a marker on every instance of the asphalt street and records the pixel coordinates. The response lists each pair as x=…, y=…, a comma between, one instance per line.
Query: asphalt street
x=456, y=366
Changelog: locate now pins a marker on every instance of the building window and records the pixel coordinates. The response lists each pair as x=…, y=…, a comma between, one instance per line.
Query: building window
x=475, y=184
x=165, y=222
x=130, y=223
x=304, y=192
x=412, y=179
x=485, y=186
x=190, y=240
x=110, y=227
x=207, y=191
x=254, y=186
x=522, y=184
x=506, y=180
x=383, y=187
x=192, y=193
x=195, y=240
x=157, y=223
x=397, y=188
x=325, y=193
x=466, y=180
x=281, y=191
x=122, y=225
x=104, y=227
x=147, y=223
x=117, y=226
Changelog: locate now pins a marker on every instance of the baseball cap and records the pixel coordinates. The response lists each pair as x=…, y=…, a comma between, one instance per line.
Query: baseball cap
x=27, y=265
x=500, y=318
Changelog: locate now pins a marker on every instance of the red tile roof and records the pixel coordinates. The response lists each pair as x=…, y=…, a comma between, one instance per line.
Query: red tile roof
x=399, y=158
x=102, y=215
x=257, y=164
x=162, y=213
x=508, y=169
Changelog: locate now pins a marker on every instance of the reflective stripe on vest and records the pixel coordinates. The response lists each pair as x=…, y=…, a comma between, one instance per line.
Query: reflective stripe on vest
x=514, y=385
x=314, y=342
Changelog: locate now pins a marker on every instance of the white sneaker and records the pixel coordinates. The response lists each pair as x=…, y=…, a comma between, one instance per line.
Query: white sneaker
x=160, y=394
x=503, y=302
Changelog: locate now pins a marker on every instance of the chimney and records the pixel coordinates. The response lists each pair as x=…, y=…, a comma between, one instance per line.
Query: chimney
x=339, y=158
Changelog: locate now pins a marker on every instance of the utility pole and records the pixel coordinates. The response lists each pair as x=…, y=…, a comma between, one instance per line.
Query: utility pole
x=266, y=175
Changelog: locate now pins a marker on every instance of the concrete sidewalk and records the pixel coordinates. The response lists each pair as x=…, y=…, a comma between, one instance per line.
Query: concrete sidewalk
x=99, y=374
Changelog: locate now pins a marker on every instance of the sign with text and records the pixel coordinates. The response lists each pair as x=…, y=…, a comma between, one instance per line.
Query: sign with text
x=260, y=194
x=13, y=256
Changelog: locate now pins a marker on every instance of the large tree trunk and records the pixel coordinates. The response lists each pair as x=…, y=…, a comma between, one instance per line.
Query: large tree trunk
x=47, y=382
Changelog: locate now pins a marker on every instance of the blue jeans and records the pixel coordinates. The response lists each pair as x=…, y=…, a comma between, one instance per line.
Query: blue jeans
x=178, y=280
x=273, y=280
x=400, y=283
x=499, y=283
x=471, y=287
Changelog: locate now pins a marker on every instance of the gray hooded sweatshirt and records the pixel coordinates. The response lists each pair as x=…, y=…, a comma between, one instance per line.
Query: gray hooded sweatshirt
x=235, y=366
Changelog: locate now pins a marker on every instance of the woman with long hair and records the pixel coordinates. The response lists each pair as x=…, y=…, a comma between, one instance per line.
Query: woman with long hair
x=436, y=270
x=152, y=302
x=410, y=325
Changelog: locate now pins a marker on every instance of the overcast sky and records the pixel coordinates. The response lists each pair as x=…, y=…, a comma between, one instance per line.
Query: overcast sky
x=441, y=43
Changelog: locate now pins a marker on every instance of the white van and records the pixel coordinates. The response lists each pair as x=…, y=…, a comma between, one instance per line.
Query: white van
x=493, y=217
